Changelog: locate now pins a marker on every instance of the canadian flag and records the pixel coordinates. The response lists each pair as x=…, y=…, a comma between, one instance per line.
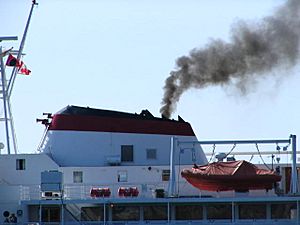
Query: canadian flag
x=12, y=61
x=23, y=70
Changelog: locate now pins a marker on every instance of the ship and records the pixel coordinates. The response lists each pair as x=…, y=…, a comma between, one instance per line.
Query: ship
x=108, y=167
x=98, y=166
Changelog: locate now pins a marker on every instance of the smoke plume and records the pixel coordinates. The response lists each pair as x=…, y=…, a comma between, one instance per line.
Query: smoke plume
x=254, y=49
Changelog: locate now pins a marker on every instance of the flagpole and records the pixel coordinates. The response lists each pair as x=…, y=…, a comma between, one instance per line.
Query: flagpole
x=14, y=71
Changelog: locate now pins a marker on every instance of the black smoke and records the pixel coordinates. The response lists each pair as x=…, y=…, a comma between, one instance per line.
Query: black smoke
x=254, y=49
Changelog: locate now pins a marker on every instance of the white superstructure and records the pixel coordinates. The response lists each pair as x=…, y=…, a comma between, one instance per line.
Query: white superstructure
x=108, y=167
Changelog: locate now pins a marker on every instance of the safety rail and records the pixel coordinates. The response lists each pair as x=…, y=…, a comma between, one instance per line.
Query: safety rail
x=148, y=191
x=84, y=191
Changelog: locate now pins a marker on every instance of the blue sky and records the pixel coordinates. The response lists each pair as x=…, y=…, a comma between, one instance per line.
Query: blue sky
x=117, y=54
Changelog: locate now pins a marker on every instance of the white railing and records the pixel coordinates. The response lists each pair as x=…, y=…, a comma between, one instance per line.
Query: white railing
x=30, y=192
x=82, y=191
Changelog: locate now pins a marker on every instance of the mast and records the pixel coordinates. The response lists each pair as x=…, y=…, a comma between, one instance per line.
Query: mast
x=6, y=88
x=4, y=97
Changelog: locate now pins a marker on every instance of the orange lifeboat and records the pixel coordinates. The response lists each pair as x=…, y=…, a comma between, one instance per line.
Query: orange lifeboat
x=226, y=176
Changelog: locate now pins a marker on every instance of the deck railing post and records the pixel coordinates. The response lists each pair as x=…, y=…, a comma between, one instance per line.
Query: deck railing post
x=232, y=212
x=62, y=219
x=168, y=212
x=40, y=214
x=298, y=212
x=172, y=188
x=294, y=181
x=104, y=213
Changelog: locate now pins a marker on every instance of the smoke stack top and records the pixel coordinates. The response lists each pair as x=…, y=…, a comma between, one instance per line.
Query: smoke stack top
x=254, y=50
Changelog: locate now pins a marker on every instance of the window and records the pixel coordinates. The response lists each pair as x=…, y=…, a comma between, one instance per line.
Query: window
x=125, y=213
x=50, y=214
x=127, y=153
x=92, y=213
x=151, y=153
x=189, y=212
x=20, y=164
x=122, y=176
x=252, y=211
x=77, y=177
x=218, y=212
x=165, y=176
x=155, y=212
x=282, y=211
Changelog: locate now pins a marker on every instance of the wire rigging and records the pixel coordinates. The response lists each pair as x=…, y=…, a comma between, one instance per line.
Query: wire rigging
x=213, y=153
x=233, y=147
x=256, y=145
x=252, y=156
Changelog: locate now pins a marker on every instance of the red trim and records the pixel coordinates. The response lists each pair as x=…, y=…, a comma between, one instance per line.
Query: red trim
x=119, y=125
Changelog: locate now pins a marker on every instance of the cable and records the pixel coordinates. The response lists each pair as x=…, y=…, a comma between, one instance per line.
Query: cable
x=251, y=158
x=231, y=150
x=213, y=153
x=261, y=156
